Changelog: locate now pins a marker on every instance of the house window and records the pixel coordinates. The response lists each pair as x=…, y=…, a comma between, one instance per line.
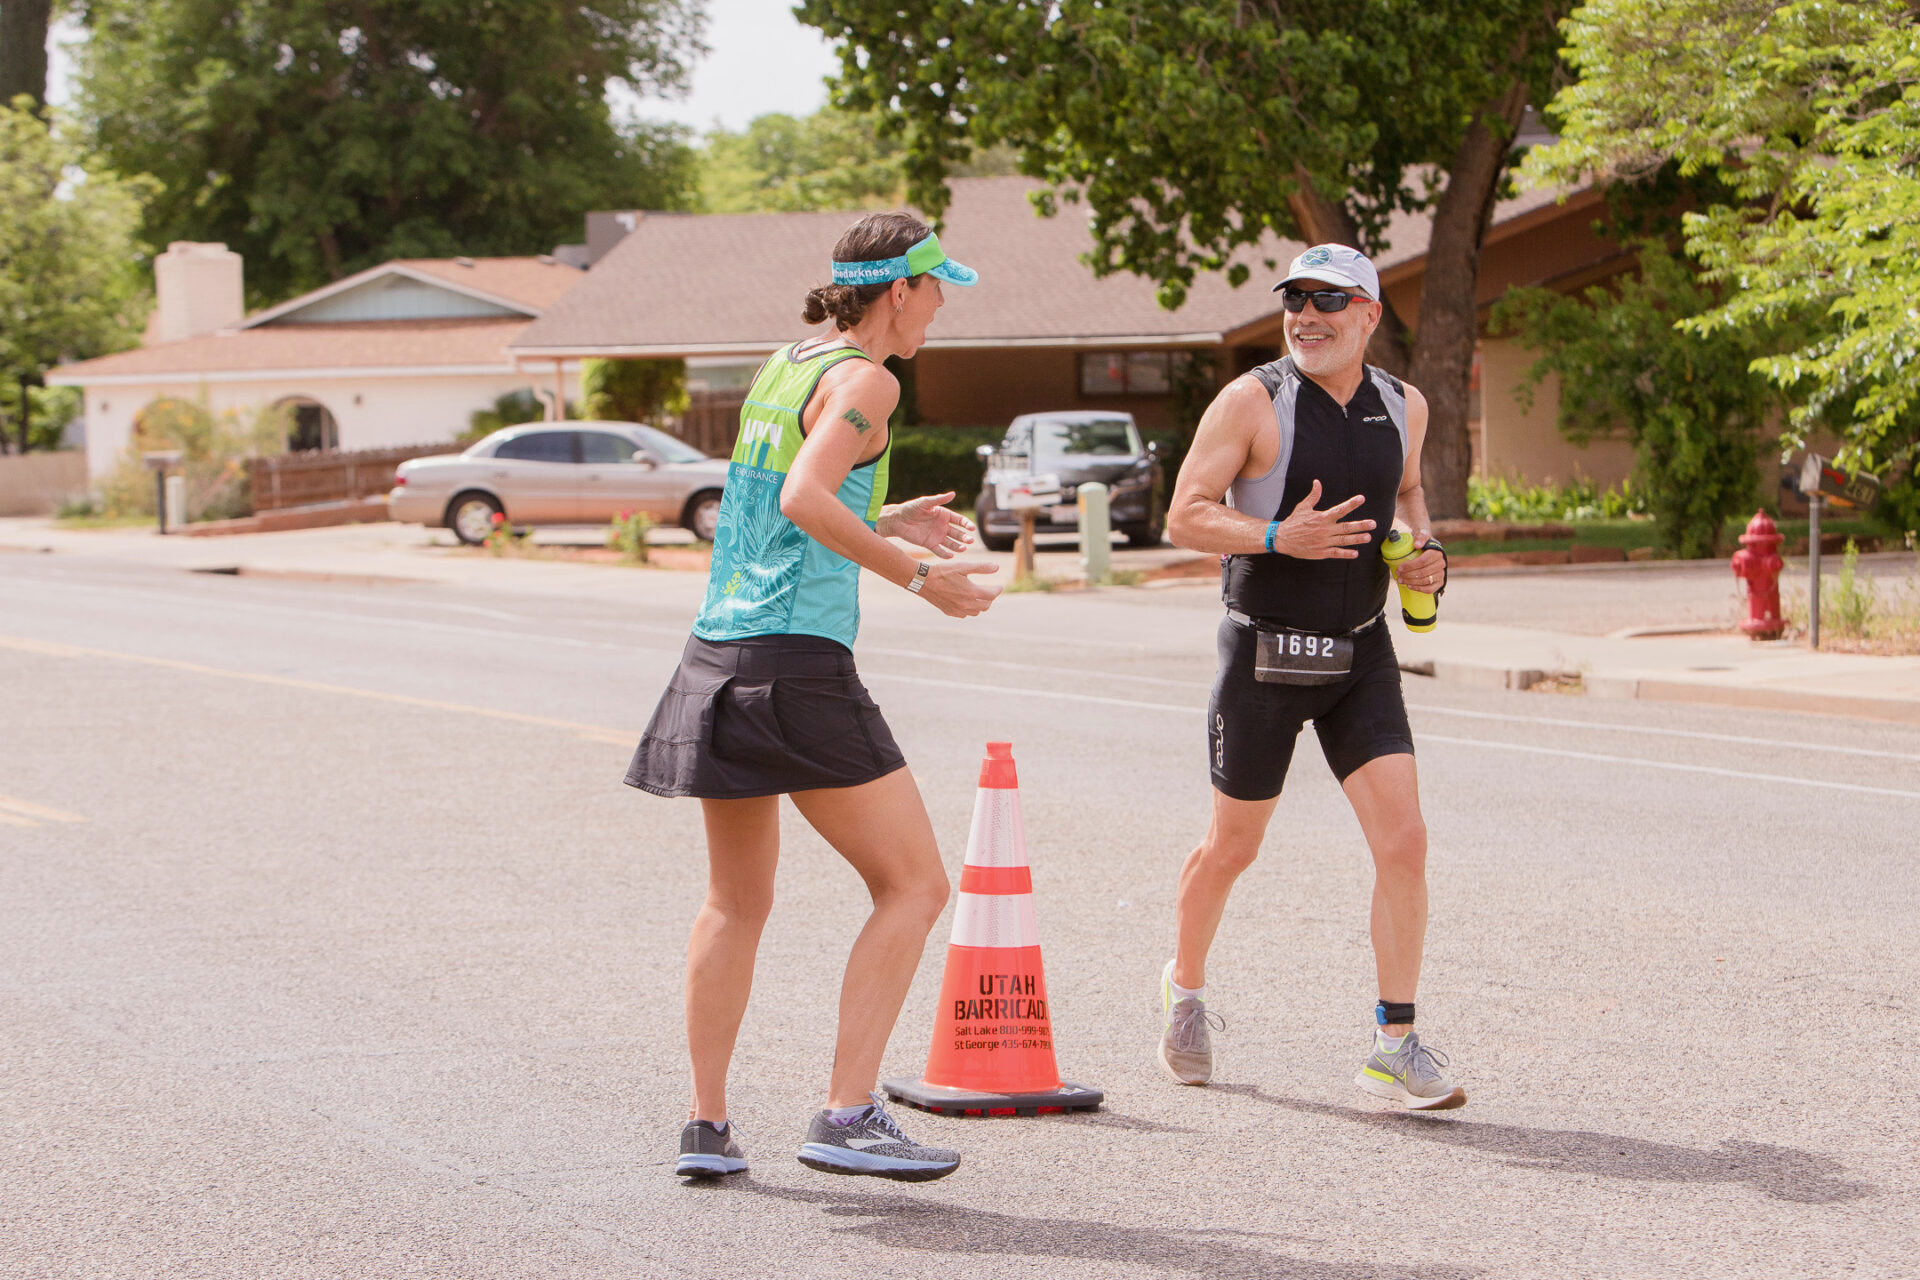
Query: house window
x=1130, y=373
x=309, y=425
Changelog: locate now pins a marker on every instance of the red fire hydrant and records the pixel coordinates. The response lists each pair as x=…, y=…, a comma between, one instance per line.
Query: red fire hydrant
x=1757, y=565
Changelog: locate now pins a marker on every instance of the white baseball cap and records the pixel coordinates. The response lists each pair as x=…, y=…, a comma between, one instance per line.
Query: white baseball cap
x=1335, y=264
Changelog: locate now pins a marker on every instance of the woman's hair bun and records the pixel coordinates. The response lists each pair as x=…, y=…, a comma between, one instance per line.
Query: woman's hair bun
x=874, y=238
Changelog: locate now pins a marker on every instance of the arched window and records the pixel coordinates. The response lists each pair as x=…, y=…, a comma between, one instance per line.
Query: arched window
x=310, y=425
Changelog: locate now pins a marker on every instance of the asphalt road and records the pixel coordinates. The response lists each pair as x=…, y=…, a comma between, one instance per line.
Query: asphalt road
x=331, y=945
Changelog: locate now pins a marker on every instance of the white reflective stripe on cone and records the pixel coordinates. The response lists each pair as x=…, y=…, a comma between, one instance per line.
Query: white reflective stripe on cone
x=997, y=838
x=995, y=920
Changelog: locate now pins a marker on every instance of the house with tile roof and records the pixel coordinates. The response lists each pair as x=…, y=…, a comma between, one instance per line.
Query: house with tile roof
x=399, y=354
x=1041, y=331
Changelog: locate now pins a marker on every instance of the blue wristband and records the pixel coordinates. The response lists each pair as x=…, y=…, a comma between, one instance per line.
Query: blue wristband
x=1273, y=527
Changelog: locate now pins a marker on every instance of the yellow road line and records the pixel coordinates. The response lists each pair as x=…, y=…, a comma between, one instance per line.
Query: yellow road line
x=593, y=732
x=23, y=809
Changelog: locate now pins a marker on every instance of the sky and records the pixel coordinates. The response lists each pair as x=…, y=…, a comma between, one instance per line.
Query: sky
x=762, y=60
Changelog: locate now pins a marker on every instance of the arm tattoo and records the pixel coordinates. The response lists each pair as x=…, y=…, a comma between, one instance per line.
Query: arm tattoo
x=859, y=421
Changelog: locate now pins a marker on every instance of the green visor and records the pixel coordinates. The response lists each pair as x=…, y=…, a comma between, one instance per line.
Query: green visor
x=925, y=258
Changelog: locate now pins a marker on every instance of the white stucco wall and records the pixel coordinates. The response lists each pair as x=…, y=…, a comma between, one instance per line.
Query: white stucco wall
x=372, y=412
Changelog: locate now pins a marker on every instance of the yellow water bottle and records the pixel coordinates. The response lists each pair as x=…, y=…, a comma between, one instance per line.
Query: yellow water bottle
x=1419, y=609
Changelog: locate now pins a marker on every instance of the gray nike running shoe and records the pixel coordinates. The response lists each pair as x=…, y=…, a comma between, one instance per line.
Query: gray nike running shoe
x=1411, y=1076
x=1186, y=1041
x=873, y=1145
x=706, y=1152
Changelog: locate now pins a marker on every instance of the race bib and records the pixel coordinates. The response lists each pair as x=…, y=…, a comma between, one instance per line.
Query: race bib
x=1297, y=657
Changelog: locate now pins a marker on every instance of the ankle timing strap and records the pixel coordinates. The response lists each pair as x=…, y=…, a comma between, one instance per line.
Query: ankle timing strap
x=1388, y=1014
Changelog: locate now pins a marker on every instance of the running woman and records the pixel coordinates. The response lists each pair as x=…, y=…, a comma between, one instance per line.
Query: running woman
x=1296, y=472
x=766, y=701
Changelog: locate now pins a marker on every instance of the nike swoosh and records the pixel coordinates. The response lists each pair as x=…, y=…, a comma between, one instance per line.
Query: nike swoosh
x=861, y=1144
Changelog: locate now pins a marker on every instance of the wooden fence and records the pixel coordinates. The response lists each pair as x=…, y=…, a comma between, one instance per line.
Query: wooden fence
x=302, y=479
x=711, y=421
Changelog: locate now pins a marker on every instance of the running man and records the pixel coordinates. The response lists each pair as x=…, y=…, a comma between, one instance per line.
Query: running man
x=1296, y=473
x=766, y=701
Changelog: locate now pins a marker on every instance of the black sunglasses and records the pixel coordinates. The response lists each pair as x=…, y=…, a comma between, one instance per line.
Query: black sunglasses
x=1325, y=301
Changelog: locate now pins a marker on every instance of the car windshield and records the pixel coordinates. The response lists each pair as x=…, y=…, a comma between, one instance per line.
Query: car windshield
x=667, y=447
x=1098, y=438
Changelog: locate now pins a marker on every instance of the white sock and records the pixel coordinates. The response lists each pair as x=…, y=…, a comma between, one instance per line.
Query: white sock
x=1386, y=1043
x=843, y=1115
x=1182, y=993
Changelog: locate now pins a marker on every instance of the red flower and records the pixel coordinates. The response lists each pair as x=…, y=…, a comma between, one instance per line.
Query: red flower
x=499, y=517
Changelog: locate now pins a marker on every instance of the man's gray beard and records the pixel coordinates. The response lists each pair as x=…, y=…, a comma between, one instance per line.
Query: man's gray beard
x=1344, y=354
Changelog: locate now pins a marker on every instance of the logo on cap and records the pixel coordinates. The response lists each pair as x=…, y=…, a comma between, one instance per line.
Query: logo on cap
x=1316, y=257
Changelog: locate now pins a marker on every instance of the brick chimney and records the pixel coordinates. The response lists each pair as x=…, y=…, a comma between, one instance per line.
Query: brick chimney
x=198, y=290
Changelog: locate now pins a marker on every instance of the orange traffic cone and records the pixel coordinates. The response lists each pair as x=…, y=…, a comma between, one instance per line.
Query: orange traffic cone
x=992, y=1040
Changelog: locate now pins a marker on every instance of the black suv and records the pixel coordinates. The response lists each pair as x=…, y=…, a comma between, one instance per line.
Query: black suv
x=1079, y=446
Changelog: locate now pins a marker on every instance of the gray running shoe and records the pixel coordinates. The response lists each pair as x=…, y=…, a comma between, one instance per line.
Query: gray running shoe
x=706, y=1152
x=873, y=1144
x=1186, y=1041
x=1411, y=1076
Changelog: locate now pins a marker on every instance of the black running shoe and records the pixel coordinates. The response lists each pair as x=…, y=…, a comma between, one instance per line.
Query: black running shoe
x=872, y=1144
x=707, y=1152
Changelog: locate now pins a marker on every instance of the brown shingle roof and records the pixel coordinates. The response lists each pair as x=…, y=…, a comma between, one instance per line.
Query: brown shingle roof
x=530, y=281
x=691, y=283
x=364, y=344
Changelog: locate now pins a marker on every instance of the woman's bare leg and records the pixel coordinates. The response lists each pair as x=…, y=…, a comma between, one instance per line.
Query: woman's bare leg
x=880, y=827
x=743, y=849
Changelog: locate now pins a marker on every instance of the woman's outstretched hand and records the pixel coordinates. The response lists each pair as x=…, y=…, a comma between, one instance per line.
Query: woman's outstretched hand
x=928, y=522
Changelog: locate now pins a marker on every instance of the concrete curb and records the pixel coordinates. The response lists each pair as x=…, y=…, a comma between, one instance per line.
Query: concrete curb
x=1646, y=688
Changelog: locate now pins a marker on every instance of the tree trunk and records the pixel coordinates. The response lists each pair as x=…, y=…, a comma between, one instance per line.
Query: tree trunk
x=1323, y=221
x=23, y=50
x=1449, y=328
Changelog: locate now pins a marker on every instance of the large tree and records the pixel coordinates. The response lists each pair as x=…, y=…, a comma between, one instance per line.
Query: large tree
x=319, y=137
x=70, y=284
x=780, y=163
x=1194, y=127
x=1810, y=114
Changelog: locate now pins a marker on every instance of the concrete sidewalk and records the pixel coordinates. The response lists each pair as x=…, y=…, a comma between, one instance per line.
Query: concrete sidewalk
x=1659, y=631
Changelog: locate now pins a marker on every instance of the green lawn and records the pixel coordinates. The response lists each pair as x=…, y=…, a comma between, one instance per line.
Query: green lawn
x=1631, y=534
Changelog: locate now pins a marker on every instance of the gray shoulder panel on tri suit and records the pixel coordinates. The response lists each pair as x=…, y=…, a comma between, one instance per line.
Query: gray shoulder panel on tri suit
x=1394, y=394
x=1261, y=495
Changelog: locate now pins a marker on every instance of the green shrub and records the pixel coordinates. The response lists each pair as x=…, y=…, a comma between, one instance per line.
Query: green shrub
x=633, y=390
x=1517, y=502
x=214, y=452
x=936, y=459
x=1898, y=511
x=628, y=535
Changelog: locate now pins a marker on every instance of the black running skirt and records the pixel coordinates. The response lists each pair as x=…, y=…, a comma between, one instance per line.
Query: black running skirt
x=762, y=717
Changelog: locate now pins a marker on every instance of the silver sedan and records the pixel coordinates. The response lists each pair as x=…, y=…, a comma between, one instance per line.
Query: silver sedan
x=562, y=473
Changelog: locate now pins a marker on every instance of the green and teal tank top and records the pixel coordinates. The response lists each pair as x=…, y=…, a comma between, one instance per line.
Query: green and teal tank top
x=768, y=576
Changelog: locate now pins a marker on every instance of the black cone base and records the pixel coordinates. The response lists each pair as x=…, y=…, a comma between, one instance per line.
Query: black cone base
x=968, y=1102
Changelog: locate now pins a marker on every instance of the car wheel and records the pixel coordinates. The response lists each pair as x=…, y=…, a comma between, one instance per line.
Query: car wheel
x=702, y=514
x=470, y=516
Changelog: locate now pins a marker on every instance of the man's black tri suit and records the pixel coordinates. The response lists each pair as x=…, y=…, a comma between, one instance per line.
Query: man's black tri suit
x=1359, y=448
